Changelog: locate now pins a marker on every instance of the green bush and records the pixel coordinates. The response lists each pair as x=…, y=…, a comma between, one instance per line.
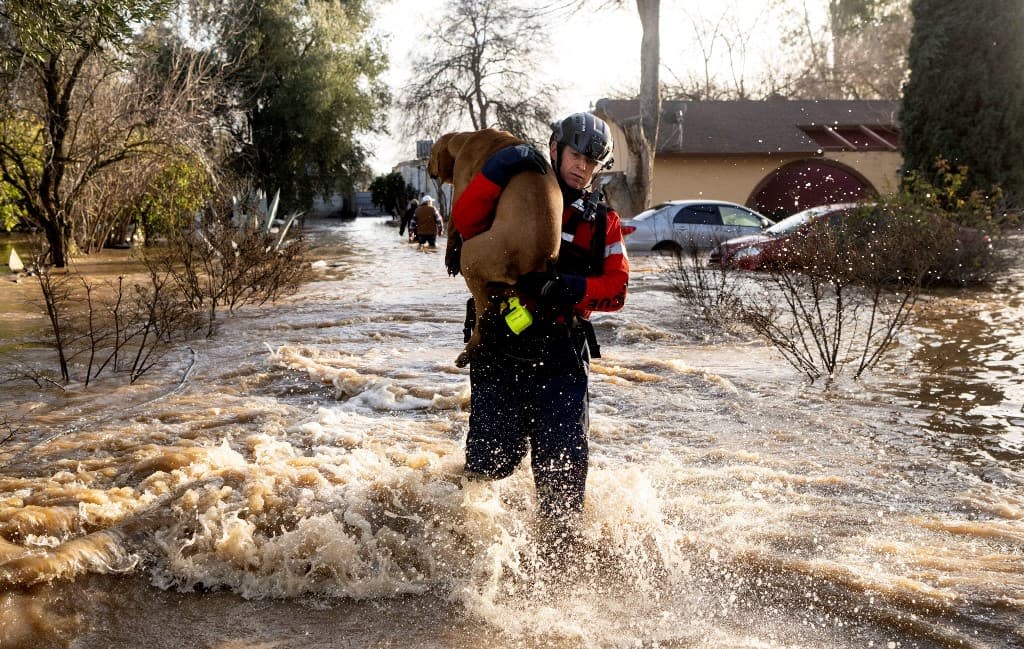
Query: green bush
x=923, y=234
x=11, y=212
x=173, y=196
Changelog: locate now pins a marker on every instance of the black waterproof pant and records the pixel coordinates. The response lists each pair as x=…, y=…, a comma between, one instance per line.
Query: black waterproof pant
x=540, y=405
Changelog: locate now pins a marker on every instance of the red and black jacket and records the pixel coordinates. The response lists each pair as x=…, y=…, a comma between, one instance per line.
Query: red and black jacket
x=585, y=250
x=592, y=246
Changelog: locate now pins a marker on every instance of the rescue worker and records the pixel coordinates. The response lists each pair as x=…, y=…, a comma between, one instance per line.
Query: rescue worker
x=529, y=391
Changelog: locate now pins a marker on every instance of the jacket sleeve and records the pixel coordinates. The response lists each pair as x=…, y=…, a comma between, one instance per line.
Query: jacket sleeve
x=607, y=291
x=473, y=212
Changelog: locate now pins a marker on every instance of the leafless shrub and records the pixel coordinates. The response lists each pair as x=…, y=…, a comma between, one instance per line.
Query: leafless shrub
x=129, y=325
x=822, y=325
x=56, y=299
x=119, y=326
x=712, y=293
x=217, y=263
x=839, y=308
x=8, y=431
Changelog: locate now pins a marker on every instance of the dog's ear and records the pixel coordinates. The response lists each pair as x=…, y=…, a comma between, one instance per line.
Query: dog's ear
x=441, y=165
x=473, y=148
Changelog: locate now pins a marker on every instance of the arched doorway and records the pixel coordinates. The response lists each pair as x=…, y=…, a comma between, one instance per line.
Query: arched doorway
x=805, y=183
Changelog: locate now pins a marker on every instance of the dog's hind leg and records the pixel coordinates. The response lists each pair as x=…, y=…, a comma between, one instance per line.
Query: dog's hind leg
x=486, y=298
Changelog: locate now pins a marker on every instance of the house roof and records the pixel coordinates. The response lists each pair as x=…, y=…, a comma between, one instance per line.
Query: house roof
x=770, y=126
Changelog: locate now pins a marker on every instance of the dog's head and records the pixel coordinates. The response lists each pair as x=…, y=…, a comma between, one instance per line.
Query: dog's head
x=471, y=148
x=441, y=166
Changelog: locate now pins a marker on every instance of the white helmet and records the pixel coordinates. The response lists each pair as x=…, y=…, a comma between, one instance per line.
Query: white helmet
x=427, y=198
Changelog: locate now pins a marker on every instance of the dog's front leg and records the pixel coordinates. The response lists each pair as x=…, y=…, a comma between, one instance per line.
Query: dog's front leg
x=453, y=252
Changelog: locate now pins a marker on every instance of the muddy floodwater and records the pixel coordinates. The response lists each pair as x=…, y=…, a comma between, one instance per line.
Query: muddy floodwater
x=294, y=482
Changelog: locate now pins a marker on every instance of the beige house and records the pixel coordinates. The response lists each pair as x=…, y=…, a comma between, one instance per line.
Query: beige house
x=776, y=156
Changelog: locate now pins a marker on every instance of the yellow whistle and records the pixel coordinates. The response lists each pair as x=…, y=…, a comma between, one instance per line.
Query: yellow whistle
x=518, y=316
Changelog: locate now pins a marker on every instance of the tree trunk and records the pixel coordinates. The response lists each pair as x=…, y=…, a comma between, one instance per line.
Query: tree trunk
x=840, y=36
x=643, y=142
x=58, y=235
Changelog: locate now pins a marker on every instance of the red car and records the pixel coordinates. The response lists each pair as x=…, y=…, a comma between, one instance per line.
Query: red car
x=776, y=244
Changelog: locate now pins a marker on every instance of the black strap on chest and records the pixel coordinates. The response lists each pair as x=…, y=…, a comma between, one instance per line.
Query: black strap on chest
x=592, y=263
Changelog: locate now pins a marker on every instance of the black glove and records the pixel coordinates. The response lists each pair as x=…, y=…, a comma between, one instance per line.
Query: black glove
x=512, y=160
x=552, y=287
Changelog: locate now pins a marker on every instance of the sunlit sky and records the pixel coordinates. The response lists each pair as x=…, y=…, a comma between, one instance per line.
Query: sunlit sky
x=591, y=55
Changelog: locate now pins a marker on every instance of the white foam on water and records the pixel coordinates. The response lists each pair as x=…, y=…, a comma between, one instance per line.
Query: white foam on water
x=316, y=455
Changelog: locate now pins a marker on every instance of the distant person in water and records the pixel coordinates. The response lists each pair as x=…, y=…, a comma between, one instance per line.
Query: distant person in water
x=428, y=222
x=408, y=218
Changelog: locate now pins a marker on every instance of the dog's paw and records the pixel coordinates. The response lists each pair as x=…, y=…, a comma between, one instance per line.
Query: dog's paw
x=462, y=360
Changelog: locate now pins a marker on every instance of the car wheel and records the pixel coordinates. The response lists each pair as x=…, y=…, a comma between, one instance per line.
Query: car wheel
x=668, y=247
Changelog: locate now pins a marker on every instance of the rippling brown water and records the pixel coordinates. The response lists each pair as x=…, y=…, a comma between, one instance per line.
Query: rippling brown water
x=299, y=488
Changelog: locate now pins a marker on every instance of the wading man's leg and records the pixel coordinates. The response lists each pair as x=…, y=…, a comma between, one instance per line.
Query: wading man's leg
x=559, y=452
x=497, y=438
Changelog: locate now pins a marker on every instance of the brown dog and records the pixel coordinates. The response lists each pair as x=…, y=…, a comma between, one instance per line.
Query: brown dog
x=526, y=230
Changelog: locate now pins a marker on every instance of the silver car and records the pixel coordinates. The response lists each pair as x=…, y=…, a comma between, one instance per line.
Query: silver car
x=678, y=226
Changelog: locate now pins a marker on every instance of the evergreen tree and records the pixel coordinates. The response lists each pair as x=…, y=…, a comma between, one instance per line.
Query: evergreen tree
x=305, y=81
x=964, y=100
x=390, y=193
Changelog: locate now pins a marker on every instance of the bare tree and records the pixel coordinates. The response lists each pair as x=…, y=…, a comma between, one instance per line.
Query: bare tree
x=725, y=53
x=859, y=52
x=57, y=292
x=478, y=67
x=852, y=49
x=642, y=131
x=74, y=111
x=703, y=83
